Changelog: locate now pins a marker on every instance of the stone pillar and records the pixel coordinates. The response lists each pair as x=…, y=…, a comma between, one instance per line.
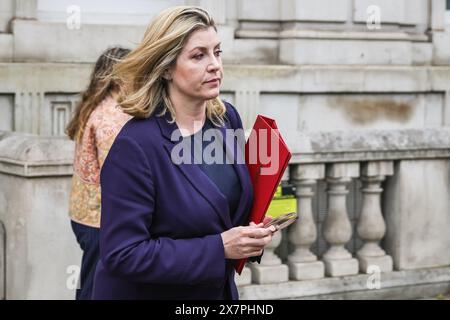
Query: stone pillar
x=42, y=255
x=416, y=208
x=6, y=14
x=440, y=37
x=6, y=37
x=26, y=9
x=371, y=226
x=337, y=228
x=270, y=270
x=438, y=8
x=303, y=264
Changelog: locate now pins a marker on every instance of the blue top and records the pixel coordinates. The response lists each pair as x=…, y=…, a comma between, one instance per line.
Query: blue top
x=212, y=161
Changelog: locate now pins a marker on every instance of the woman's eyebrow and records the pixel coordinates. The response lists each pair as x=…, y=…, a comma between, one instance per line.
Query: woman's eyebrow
x=205, y=48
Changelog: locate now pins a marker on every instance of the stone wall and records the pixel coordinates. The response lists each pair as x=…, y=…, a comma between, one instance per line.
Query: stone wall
x=346, y=98
x=410, y=32
x=42, y=254
x=282, y=58
x=411, y=167
x=341, y=90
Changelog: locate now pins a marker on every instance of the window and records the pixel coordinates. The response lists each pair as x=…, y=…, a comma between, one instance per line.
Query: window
x=448, y=5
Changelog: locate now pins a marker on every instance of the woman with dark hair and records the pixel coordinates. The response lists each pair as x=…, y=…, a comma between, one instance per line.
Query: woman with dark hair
x=96, y=122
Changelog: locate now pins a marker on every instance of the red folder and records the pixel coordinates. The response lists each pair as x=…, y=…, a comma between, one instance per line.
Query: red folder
x=267, y=157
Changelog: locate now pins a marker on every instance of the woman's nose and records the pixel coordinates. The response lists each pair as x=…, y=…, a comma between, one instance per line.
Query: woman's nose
x=214, y=64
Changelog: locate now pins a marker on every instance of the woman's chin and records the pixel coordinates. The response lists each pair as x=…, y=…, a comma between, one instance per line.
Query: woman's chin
x=211, y=95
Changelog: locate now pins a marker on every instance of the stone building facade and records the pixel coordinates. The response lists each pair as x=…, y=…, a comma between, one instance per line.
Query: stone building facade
x=360, y=90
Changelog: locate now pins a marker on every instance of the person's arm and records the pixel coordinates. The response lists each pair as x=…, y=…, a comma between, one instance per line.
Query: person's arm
x=127, y=249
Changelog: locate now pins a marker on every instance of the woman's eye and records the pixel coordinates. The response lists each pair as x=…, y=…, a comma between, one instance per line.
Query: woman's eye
x=218, y=53
x=199, y=56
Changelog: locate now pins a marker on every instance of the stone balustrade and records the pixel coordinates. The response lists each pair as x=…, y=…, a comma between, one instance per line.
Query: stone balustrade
x=398, y=227
x=373, y=205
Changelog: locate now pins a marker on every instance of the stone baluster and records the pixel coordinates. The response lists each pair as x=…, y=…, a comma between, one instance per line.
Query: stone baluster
x=337, y=229
x=371, y=227
x=26, y=9
x=303, y=264
x=270, y=270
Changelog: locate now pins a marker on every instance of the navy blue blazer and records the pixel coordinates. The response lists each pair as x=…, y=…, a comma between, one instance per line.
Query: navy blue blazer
x=161, y=222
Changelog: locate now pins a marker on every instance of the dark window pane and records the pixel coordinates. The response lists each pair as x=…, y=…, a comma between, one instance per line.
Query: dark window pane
x=448, y=4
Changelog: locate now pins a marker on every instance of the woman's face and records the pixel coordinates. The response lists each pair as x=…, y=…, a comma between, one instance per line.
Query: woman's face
x=197, y=74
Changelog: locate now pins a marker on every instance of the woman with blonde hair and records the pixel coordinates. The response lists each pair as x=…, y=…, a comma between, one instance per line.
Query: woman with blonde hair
x=94, y=126
x=173, y=230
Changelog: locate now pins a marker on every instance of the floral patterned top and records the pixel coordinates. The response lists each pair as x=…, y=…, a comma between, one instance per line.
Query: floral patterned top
x=101, y=129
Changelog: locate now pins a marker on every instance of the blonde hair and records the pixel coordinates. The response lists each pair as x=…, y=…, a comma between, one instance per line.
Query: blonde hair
x=100, y=86
x=141, y=74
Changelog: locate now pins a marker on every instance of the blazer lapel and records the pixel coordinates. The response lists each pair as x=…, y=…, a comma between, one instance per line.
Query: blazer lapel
x=195, y=175
x=232, y=147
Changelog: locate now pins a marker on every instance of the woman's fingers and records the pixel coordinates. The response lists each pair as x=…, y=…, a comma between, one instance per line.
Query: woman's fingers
x=252, y=224
x=254, y=253
x=247, y=241
x=258, y=242
x=267, y=219
x=251, y=242
x=257, y=232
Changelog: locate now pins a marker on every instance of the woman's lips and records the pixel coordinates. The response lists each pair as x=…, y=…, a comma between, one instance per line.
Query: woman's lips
x=213, y=81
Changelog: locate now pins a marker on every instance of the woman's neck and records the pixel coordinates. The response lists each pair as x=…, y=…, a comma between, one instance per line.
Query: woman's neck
x=189, y=115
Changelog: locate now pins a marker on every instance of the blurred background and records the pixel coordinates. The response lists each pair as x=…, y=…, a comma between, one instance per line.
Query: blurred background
x=359, y=88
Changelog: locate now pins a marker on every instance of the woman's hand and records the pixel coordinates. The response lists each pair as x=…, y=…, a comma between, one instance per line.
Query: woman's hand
x=244, y=242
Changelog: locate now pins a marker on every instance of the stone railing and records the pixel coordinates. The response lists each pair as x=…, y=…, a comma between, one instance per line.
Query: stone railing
x=400, y=223
x=373, y=204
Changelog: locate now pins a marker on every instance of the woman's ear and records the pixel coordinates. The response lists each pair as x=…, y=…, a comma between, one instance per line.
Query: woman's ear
x=167, y=76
